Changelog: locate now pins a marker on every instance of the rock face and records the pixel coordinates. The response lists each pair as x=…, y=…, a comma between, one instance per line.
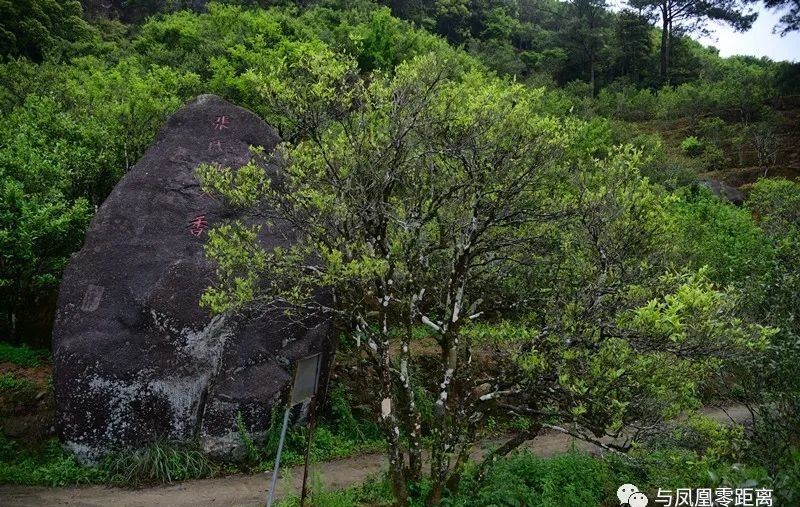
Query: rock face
x=725, y=191
x=135, y=357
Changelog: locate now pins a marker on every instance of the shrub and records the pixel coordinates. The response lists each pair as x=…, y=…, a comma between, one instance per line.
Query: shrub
x=713, y=158
x=61, y=151
x=670, y=173
x=787, y=478
x=716, y=234
x=626, y=102
x=692, y=146
x=34, y=28
x=375, y=492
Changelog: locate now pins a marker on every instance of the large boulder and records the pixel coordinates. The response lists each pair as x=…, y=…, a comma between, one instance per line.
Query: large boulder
x=724, y=191
x=135, y=357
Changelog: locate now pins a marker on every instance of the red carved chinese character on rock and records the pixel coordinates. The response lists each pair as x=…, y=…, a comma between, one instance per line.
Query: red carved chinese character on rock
x=198, y=225
x=221, y=122
x=215, y=145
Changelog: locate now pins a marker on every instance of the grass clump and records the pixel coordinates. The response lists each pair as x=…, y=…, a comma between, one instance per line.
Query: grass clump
x=158, y=463
x=50, y=465
x=22, y=356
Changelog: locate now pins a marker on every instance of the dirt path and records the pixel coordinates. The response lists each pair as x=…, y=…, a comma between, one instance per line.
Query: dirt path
x=251, y=490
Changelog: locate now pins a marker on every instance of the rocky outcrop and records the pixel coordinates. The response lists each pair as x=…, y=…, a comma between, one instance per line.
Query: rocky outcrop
x=135, y=357
x=725, y=191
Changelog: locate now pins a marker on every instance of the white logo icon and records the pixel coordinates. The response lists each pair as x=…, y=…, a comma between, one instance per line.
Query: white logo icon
x=630, y=494
x=637, y=500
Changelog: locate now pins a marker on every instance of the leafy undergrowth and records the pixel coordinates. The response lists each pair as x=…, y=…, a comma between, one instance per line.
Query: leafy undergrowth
x=47, y=465
x=339, y=434
x=10, y=382
x=161, y=462
x=25, y=380
x=374, y=492
x=569, y=480
x=22, y=356
x=574, y=479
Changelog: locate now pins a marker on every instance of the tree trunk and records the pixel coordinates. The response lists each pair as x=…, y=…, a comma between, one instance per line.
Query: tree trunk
x=412, y=417
x=664, y=46
x=442, y=430
x=396, y=458
x=390, y=420
x=13, y=326
x=399, y=488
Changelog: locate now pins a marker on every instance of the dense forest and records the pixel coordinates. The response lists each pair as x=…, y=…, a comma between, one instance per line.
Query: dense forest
x=536, y=216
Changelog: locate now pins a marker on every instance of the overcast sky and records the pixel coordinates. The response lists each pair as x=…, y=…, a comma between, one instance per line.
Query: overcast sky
x=758, y=41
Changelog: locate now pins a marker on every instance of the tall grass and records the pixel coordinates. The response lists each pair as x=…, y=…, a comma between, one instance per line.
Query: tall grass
x=158, y=463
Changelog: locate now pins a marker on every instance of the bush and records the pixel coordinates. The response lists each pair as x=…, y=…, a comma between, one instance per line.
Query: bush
x=775, y=389
x=708, y=150
x=692, y=146
x=713, y=158
x=670, y=173
x=34, y=28
x=626, y=102
x=375, y=492
x=61, y=152
x=718, y=235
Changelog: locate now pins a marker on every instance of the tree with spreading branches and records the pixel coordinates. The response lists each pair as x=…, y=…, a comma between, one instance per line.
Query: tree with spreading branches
x=431, y=199
x=687, y=16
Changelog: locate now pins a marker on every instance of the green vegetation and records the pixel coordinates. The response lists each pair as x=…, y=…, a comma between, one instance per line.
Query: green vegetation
x=505, y=199
x=35, y=28
x=22, y=356
x=158, y=463
x=8, y=382
x=573, y=479
x=626, y=339
x=340, y=434
x=48, y=465
x=723, y=238
x=76, y=122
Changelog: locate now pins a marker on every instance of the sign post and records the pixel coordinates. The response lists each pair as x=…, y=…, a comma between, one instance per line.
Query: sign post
x=304, y=388
x=312, y=422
